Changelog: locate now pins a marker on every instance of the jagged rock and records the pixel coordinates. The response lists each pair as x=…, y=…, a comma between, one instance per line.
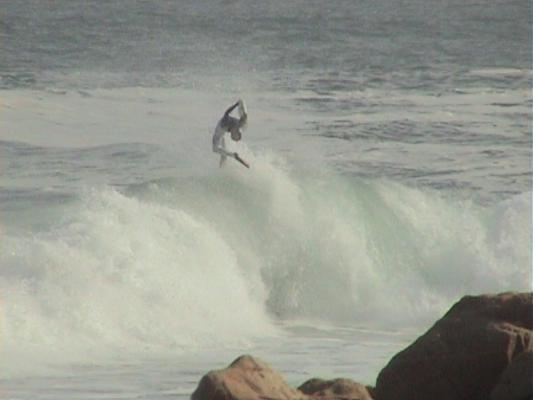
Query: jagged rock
x=516, y=382
x=342, y=389
x=247, y=378
x=463, y=355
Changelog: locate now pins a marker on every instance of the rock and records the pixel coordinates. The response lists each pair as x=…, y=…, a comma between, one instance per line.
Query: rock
x=516, y=382
x=341, y=389
x=463, y=355
x=247, y=378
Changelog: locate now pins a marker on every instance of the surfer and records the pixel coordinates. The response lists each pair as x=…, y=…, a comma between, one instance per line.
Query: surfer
x=233, y=125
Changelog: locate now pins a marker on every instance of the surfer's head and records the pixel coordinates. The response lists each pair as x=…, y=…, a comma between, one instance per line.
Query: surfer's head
x=235, y=133
x=232, y=125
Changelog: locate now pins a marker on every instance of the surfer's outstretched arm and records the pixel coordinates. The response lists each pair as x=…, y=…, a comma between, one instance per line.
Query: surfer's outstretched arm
x=243, y=115
x=229, y=110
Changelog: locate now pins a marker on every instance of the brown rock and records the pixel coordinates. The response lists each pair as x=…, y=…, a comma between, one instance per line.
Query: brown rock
x=463, y=355
x=247, y=378
x=338, y=389
x=516, y=382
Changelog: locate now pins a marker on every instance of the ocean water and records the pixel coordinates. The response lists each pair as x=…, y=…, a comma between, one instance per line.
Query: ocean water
x=390, y=151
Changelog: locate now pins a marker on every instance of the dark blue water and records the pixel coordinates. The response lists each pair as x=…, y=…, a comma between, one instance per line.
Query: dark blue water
x=341, y=44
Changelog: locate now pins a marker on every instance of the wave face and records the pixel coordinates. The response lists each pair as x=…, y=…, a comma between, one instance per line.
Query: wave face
x=217, y=259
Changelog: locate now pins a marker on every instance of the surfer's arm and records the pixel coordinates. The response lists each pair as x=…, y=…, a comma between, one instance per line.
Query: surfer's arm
x=229, y=110
x=243, y=115
x=224, y=121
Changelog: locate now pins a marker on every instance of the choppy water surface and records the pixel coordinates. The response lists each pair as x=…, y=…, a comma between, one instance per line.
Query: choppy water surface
x=390, y=146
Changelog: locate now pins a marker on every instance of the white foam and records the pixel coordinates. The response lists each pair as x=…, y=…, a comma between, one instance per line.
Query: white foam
x=209, y=260
x=125, y=275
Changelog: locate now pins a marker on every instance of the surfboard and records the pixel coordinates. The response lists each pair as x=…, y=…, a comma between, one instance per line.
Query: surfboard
x=239, y=159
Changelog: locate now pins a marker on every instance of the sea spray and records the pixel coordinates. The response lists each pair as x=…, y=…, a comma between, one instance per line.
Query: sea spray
x=123, y=273
x=216, y=259
x=339, y=248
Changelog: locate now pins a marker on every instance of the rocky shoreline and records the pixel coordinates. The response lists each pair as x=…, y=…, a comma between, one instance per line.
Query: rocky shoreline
x=481, y=349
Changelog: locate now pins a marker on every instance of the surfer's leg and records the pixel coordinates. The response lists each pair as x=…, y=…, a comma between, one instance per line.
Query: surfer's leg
x=220, y=148
x=222, y=156
x=223, y=152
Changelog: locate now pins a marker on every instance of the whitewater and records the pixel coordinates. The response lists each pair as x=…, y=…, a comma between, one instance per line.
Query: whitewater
x=380, y=191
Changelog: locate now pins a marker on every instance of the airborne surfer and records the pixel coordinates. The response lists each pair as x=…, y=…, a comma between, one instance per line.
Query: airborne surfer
x=233, y=125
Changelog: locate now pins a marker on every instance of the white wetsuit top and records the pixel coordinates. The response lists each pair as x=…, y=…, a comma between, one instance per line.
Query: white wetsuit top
x=225, y=124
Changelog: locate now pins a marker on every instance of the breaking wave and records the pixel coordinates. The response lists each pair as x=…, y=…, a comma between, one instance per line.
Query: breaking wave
x=214, y=260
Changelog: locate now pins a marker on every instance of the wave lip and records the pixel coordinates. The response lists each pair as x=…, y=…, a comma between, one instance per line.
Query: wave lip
x=123, y=274
x=216, y=260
